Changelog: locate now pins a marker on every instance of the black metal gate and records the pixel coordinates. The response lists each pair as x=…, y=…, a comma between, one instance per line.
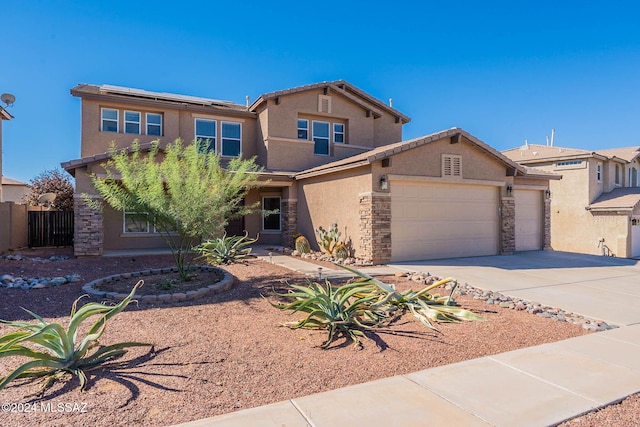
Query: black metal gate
x=50, y=228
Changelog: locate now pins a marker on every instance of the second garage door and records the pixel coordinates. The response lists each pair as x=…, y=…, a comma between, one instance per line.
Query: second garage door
x=431, y=221
x=529, y=220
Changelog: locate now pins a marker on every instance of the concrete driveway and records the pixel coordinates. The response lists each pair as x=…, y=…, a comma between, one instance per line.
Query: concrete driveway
x=603, y=288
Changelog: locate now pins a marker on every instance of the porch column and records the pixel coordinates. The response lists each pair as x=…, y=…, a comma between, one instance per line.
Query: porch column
x=375, y=227
x=508, y=226
x=289, y=215
x=546, y=243
x=88, y=233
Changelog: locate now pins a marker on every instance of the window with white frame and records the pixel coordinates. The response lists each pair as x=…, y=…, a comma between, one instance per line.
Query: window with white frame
x=569, y=163
x=599, y=172
x=338, y=133
x=231, y=139
x=154, y=124
x=303, y=129
x=135, y=222
x=132, y=122
x=321, y=138
x=451, y=165
x=271, y=213
x=109, y=122
x=206, y=134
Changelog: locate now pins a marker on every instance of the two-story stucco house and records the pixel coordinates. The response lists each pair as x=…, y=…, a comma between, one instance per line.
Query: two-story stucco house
x=595, y=208
x=332, y=153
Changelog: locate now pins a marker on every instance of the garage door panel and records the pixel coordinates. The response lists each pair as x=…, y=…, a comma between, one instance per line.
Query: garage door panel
x=431, y=221
x=529, y=220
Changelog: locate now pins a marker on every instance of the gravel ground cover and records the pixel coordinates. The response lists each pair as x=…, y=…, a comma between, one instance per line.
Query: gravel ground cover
x=226, y=352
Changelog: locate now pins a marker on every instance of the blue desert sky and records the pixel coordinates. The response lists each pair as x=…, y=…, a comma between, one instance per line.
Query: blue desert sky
x=503, y=71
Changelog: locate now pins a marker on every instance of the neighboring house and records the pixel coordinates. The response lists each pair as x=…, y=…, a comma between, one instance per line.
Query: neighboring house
x=332, y=153
x=595, y=208
x=14, y=190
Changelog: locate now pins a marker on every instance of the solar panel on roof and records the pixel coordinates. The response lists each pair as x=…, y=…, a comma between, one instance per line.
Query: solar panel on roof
x=162, y=95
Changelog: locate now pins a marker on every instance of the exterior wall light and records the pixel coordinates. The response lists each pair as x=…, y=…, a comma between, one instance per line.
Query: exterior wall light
x=384, y=184
x=509, y=190
x=548, y=193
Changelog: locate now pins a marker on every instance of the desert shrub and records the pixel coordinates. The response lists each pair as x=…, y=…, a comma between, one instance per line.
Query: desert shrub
x=58, y=351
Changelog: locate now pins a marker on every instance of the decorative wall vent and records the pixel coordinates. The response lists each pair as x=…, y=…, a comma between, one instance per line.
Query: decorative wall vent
x=324, y=104
x=451, y=165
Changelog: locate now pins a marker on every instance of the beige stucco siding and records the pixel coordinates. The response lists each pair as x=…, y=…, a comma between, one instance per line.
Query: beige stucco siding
x=427, y=161
x=175, y=124
x=327, y=199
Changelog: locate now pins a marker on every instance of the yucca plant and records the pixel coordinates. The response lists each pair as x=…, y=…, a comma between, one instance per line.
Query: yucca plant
x=225, y=250
x=59, y=351
x=345, y=309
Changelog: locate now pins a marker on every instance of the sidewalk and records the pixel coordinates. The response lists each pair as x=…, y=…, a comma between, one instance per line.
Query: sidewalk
x=536, y=386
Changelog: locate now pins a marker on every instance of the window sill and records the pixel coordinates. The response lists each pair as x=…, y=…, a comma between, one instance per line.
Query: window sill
x=271, y=232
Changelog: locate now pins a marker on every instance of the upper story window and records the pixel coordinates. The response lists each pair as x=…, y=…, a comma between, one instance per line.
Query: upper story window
x=109, y=120
x=303, y=129
x=338, y=133
x=321, y=138
x=599, y=172
x=231, y=139
x=206, y=132
x=132, y=122
x=569, y=163
x=154, y=124
x=617, y=174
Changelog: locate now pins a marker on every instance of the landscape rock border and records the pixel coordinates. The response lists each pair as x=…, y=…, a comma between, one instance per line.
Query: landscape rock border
x=224, y=284
x=513, y=303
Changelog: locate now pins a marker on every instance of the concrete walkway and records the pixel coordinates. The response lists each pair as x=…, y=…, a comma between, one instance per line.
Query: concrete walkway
x=537, y=386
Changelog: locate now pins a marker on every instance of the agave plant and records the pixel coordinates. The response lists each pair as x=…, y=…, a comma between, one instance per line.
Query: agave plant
x=426, y=307
x=225, y=250
x=366, y=303
x=345, y=309
x=60, y=351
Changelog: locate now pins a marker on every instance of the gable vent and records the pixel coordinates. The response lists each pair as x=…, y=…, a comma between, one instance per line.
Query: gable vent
x=324, y=104
x=451, y=165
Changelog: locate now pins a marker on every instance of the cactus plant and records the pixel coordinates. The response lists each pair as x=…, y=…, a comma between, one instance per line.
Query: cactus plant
x=328, y=239
x=302, y=245
x=341, y=251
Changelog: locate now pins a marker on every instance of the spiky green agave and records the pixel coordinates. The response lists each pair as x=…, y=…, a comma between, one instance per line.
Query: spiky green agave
x=63, y=351
x=226, y=250
x=344, y=309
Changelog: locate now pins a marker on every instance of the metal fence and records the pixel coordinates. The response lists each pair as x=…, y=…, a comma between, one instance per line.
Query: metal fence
x=50, y=228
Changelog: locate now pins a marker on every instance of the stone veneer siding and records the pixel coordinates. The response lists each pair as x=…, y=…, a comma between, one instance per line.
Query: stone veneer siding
x=88, y=238
x=375, y=227
x=546, y=244
x=508, y=226
x=289, y=218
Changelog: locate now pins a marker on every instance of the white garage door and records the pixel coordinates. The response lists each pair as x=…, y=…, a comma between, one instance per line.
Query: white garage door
x=431, y=221
x=635, y=241
x=529, y=220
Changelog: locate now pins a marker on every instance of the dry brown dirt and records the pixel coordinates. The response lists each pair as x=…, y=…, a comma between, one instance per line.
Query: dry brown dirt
x=227, y=352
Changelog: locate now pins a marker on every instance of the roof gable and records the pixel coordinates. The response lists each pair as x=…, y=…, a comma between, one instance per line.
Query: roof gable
x=385, y=151
x=342, y=88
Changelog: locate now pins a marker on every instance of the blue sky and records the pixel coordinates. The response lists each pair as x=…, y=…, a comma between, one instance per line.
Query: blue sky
x=503, y=71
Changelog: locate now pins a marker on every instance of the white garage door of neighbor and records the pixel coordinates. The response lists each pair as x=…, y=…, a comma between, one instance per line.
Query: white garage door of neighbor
x=529, y=220
x=635, y=241
x=431, y=221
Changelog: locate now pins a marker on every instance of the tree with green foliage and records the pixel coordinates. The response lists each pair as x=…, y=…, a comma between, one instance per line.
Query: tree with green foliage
x=183, y=189
x=51, y=181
